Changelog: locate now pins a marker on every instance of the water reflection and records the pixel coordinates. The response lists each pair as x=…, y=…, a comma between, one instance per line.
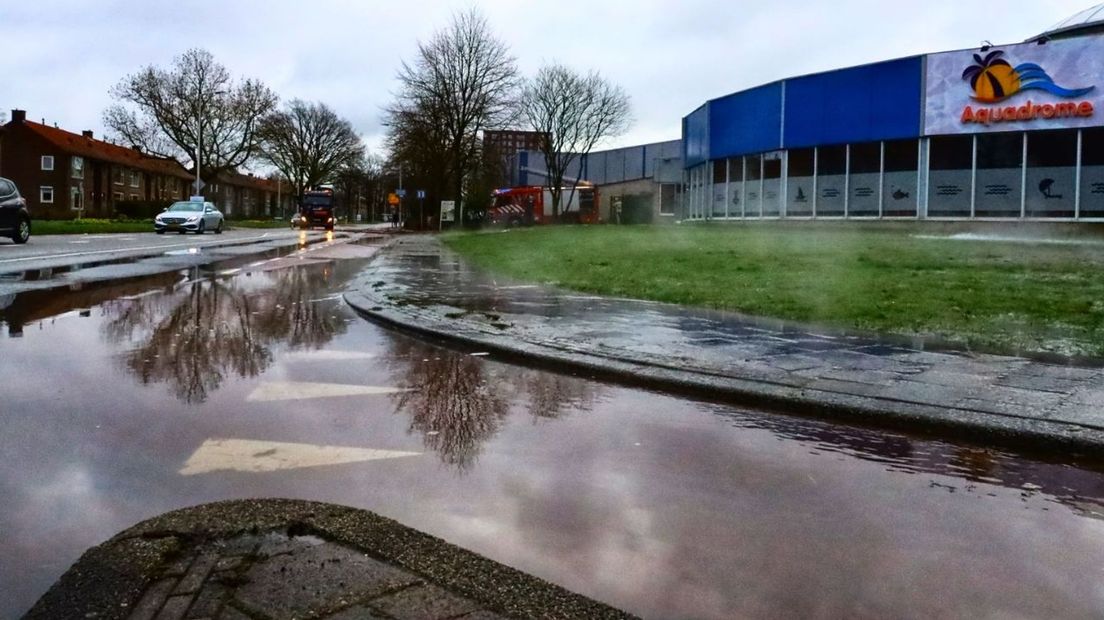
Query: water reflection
x=194, y=335
x=458, y=402
x=1074, y=482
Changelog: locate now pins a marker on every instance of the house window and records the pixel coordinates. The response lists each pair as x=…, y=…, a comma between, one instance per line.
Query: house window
x=134, y=196
x=77, y=165
x=118, y=195
x=117, y=176
x=133, y=178
x=46, y=194
x=76, y=198
x=47, y=162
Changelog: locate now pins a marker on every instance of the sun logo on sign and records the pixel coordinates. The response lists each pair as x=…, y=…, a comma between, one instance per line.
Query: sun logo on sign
x=994, y=79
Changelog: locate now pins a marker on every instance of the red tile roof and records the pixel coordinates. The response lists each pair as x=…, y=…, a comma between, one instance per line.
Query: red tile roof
x=77, y=144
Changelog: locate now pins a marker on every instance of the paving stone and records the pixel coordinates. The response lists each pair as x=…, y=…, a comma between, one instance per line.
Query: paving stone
x=195, y=576
x=175, y=607
x=229, y=613
x=425, y=601
x=1089, y=396
x=152, y=600
x=230, y=563
x=180, y=566
x=482, y=614
x=276, y=543
x=1079, y=413
x=845, y=387
x=793, y=362
x=358, y=612
x=209, y=601
x=316, y=579
x=1040, y=383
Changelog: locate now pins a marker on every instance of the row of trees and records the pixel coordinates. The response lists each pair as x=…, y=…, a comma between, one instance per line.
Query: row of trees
x=196, y=113
x=464, y=81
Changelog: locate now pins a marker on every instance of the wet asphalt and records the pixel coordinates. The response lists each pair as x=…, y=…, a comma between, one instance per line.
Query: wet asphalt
x=126, y=399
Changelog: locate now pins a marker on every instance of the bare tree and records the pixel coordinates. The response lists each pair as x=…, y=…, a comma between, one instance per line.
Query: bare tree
x=193, y=112
x=462, y=81
x=573, y=112
x=309, y=143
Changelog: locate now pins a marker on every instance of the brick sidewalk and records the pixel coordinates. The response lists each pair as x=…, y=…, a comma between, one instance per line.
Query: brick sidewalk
x=416, y=283
x=284, y=559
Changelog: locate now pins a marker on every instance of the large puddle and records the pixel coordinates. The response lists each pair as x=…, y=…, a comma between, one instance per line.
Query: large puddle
x=126, y=400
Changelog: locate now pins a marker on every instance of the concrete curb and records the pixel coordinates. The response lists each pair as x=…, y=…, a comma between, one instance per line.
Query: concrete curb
x=108, y=580
x=971, y=424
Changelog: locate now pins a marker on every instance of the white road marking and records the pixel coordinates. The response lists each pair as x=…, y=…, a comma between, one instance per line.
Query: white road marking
x=254, y=456
x=329, y=354
x=296, y=390
x=137, y=249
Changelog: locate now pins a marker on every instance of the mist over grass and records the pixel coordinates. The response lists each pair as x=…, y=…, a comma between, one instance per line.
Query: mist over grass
x=1007, y=295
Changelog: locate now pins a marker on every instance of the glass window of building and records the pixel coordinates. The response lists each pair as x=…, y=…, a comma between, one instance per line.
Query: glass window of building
x=999, y=175
x=831, y=180
x=902, y=159
x=736, y=187
x=1051, y=173
x=1092, y=172
x=772, y=184
x=753, y=188
x=719, y=190
x=799, y=183
x=866, y=172
x=950, y=164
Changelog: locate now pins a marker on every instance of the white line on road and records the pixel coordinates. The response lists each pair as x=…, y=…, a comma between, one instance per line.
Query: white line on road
x=254, y=456
x=117, y=250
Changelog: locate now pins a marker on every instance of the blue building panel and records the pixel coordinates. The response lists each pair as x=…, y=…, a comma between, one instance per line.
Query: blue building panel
x=862, y=104
x=695, y=137
x=746, y=122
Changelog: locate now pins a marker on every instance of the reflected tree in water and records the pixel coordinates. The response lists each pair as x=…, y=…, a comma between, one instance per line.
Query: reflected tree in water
x=194, y=336
x=453, y=405
x=459, y=402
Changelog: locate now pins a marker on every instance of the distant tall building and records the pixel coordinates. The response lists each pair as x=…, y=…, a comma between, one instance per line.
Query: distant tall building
x=501, y=145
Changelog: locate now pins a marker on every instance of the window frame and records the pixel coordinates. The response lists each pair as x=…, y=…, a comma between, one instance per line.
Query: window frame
x=42, y=191
x=43, y=161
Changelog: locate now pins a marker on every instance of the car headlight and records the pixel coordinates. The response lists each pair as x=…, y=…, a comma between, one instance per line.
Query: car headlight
x=193, y=218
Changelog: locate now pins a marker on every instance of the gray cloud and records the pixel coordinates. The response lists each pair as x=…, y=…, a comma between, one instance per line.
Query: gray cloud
x=61, y=56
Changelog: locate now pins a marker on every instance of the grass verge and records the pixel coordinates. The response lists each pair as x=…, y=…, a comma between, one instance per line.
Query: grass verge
x=89, y=226
x=1009, y=296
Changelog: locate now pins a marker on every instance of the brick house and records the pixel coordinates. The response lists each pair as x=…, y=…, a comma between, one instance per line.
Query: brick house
x=248, y=196
x=63, y=174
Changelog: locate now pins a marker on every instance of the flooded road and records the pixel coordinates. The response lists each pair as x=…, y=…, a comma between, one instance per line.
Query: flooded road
x=126, y=400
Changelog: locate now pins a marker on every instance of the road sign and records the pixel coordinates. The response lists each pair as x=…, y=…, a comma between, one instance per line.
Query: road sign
x=401, y=193
x=448, y=211
x=421, y=194
x=199, y=185
x=392, y=199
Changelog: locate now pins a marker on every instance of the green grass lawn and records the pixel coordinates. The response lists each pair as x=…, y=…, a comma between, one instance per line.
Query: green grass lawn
x=1004, y=295
x=89, y=226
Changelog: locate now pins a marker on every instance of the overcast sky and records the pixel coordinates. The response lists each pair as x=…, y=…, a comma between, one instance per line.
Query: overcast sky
x=60, y=57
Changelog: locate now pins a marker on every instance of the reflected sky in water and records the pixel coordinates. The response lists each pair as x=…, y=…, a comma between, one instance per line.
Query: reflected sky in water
x=664, y=507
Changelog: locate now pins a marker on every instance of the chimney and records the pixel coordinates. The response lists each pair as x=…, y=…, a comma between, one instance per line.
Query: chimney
x=18, y=116
x=87, y=133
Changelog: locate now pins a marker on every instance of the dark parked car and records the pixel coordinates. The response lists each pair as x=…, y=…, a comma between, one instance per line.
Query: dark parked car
x=15, y=220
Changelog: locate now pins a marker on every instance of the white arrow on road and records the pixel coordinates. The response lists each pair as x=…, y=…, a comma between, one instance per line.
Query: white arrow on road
x=254, y=456
x=297, y=390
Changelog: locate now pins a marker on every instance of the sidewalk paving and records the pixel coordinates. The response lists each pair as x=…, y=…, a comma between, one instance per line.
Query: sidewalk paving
x=418, y=284
x=277, y=559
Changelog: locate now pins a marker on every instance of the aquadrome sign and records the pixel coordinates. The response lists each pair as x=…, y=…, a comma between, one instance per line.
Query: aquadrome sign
x=997, y=132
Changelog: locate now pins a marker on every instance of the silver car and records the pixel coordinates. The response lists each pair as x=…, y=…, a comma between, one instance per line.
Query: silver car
x=194, y=216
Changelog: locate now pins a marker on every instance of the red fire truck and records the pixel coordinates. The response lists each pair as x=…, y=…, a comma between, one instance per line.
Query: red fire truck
x=532, y=204
x=317, y=208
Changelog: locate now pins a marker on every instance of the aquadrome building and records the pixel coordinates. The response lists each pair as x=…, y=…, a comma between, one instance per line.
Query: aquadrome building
x=1010, y=132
